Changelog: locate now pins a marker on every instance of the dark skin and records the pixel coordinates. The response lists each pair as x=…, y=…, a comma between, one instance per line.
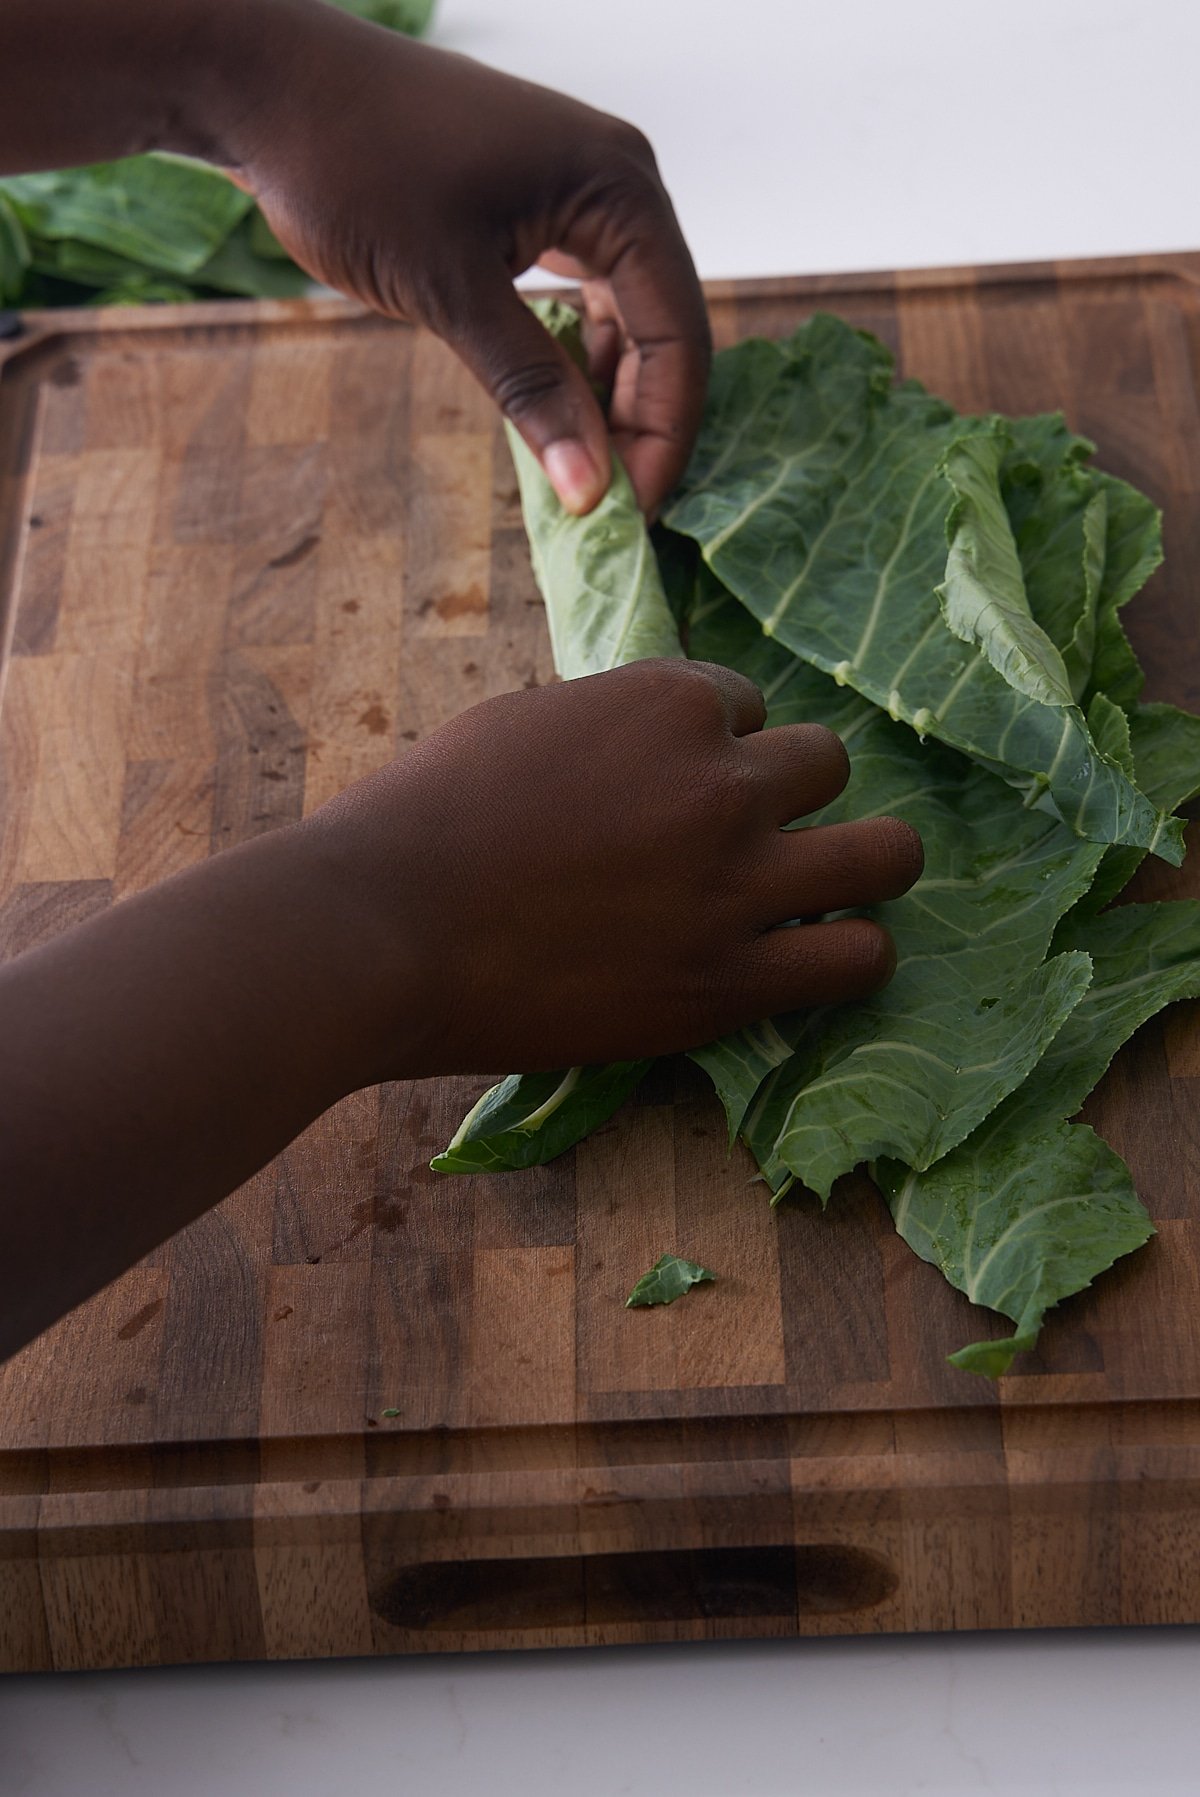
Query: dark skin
x=576, y=874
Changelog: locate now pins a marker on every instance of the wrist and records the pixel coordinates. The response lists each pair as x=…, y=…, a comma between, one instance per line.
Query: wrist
x=367, y=977
x=220, y=68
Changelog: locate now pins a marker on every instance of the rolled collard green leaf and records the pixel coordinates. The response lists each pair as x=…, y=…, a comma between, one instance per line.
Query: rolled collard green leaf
x=1019, y=1231
x=983, y=596
x=816, y=495
x=530, y=1118
x=667, y=1280
x=605, y=606
x=1030, y=1208
x=971, y=1006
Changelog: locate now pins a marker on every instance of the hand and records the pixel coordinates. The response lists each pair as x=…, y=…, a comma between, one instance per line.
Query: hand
x=599, y=871
x=587, y=872
x=421, y=183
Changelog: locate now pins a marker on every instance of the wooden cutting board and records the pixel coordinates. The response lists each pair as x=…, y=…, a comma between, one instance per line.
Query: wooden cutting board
x=246, y=555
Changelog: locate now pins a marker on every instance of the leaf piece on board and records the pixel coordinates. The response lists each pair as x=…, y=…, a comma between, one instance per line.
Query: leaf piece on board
x=667, y=1280
x=1031, y=1208
x=530, y=1118
x=1020, y=1226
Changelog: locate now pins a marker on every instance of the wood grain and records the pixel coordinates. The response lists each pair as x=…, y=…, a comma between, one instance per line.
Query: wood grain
x=249, y=553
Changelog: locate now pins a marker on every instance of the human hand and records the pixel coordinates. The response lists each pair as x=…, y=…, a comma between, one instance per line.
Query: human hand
x=421, y=182
x=599, y=871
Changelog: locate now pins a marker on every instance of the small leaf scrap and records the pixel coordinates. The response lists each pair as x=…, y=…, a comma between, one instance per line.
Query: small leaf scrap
x=667, y=1280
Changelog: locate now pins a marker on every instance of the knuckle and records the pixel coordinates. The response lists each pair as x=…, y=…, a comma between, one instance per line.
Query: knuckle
x=523, y=389
x=631, y=141
x=826, y=747
x=871, y=954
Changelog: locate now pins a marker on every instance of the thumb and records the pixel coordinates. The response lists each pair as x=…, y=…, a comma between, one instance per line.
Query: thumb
x=537, y=386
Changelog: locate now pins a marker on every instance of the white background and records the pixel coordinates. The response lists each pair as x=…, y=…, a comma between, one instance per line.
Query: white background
x=815, y=135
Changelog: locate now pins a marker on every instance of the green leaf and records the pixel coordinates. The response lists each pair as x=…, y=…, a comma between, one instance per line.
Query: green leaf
x=164, y=213
x=143, y=290
x=238, y=267
x=1133, y=550
x=816, y=494
x=14, y=254
x=1019, y=1228
x=530, y=1118
x=667, y=1280
x=972, y=1004
x=410, y=16
x=1030, y=1208
x=983, y=596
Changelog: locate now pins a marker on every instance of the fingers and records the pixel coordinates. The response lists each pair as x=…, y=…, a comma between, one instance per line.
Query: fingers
x=630, y=239
x=838, y=867
x=532, y=379
x=744, y=707
x=814, y=964
x=804, y=766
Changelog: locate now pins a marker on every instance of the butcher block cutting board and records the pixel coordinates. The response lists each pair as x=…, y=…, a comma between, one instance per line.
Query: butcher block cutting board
x=247, y=554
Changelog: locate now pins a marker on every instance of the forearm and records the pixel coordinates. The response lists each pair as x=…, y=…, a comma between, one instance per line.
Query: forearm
x=154, y=1058
x=89, y=80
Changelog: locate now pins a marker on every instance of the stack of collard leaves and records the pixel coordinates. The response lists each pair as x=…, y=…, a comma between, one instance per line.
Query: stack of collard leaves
x=945, y=593
x=152, y=228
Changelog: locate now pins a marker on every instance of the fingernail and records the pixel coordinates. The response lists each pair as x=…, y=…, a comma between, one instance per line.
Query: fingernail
x=573, y=474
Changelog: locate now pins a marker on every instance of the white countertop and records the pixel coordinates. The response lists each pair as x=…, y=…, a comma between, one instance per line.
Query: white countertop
x=796, y=136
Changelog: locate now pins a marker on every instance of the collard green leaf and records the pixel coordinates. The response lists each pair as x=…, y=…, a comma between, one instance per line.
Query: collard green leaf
x=239, y=267
x=532, y=1117
x=144, y=290
x=1166, y=753
x=1133, y=550
x=164, y=213
x=1018, y=1231
x=14, y=253
x=1058, y=517
x=816, y=494
x=605, y=603
x=1164, y=744
x=412, y=17
x=972, y=1004
x=667, y=1280
x=1030, y=1208
x=983, y=595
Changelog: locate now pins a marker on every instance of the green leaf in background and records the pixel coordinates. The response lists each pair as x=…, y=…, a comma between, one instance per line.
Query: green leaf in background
x=114, y=227
x=14, y=253
x=409, y=16
x=163, y=212
x=238, y=266
x=143, y=290
x=817, y=495
x=530, y=1118
x=667, y=1280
